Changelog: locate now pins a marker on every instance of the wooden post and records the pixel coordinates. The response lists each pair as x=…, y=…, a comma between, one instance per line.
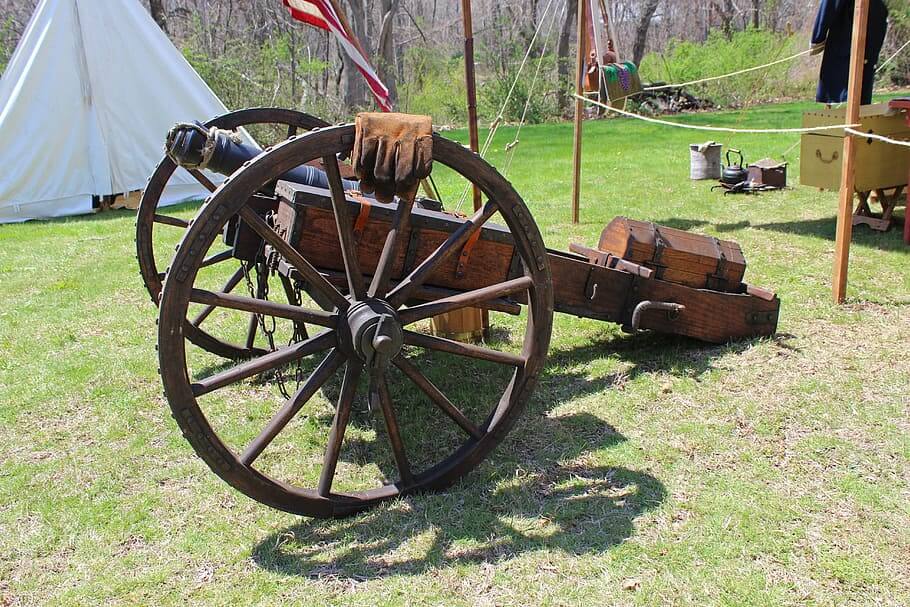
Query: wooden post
x=848, y=170
x=579, y=111
x=471, y=85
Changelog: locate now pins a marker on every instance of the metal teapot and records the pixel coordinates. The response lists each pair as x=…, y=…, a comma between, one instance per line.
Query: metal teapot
x=734, y=173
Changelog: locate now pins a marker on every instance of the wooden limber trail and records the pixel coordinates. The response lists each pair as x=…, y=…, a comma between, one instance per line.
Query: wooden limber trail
x=683, y=293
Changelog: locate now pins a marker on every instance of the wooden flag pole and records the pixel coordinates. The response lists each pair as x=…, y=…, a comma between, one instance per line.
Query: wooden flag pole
x=347, y=27
x=471, y=85
x=579, y=111
x=848, y=170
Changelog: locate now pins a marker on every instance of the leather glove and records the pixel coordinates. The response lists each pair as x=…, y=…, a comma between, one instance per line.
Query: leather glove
x=392, y=153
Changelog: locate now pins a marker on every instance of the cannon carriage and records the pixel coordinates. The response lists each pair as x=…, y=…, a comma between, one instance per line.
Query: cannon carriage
x=360, y=279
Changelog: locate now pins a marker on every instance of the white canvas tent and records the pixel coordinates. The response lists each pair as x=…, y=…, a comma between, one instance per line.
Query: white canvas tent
x=85, y=103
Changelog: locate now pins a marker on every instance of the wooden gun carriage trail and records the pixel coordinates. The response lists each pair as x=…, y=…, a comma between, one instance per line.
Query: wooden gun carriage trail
x=359, y=278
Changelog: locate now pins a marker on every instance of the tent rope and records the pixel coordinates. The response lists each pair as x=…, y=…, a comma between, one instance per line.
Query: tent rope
x=892, y=57
x=730, y=75
x=510, y=147
x=715, y=129
x=494, y=126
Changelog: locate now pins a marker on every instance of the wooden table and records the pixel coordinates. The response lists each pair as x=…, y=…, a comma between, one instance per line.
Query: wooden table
x=904, y=104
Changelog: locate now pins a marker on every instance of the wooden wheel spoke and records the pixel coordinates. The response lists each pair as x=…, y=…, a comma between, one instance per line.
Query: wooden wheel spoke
x=379, y=391
x=201, y=178
x=171, y=221
x=390, y=250
x=310, y=274
x=345, y=229
x=339, y=425
x=453, y=243
x=217, y=258
x=455, y=347
x=262, y=306
x=463, y=300
x=437, y=397
x=292, y=406
x=292, y=130
x=232, y=282
x=267, y=362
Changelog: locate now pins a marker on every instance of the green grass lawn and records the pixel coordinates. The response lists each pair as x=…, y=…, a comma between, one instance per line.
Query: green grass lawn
x=646, y=469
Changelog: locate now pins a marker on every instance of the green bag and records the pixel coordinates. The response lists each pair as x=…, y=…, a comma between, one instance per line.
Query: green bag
x=621, y=81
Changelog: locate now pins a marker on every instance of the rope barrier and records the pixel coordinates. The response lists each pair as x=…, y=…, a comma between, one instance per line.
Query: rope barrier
x=881, y=138
x=715, y=129
x=731, y=74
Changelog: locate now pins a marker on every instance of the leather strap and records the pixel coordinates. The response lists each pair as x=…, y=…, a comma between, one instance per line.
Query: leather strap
x=363, y=216
x=465, y=256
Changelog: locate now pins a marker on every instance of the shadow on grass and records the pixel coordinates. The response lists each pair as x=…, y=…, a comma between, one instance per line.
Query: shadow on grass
x=642, y=353
x=540, y=491
x=110, y=214
x=823, y=228
x=569, y=507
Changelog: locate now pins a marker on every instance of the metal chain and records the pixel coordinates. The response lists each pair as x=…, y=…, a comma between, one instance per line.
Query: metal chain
x=296, y=299
x=261, y=291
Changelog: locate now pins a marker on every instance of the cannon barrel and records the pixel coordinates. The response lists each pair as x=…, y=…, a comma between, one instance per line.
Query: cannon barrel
x=192, y=146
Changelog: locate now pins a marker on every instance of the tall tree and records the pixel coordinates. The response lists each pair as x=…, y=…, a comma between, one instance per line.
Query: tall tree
x=159, y=13
x=387, y=64
x=641, y=30
x=726, y=10
x=563, y=61
x=355, y=90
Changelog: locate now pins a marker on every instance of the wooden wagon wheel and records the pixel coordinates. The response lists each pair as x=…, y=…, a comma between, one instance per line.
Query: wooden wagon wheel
x=148, y=217
x=425, y=444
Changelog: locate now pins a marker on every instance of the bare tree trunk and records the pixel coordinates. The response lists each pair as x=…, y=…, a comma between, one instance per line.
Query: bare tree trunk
x=563, y=62
x=726, y=12
x=355, y=93
x=159, y=13
x=641, y=30
x=387, y=65
x=756, y=13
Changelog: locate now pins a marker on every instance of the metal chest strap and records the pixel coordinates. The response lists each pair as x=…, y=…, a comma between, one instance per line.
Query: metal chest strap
x=718, y=279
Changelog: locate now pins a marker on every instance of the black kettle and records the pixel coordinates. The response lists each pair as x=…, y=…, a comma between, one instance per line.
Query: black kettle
x=734, y=173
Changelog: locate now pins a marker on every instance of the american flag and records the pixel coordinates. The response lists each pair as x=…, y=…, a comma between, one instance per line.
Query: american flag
x=321, y=14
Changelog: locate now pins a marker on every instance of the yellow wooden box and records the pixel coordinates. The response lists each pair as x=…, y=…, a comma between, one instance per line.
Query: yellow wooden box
x=878, y=164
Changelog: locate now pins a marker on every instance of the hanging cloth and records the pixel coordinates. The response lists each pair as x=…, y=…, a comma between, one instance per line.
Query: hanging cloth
x=833, y=34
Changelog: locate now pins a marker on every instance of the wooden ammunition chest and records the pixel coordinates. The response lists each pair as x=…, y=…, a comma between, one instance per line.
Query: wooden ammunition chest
x=878, y=164
x=305, y=219
x=685, y=258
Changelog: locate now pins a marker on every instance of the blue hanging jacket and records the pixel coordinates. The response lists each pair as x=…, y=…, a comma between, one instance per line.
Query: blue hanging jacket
x=834, y=28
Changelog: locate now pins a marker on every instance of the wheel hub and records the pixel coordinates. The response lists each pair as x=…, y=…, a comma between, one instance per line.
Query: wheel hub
x=375, y=332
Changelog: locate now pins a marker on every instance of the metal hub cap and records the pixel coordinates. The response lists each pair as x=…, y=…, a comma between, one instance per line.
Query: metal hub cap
x=375, y=332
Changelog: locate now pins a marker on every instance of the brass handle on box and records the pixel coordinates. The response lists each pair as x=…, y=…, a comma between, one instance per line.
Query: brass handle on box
x=834, y=156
